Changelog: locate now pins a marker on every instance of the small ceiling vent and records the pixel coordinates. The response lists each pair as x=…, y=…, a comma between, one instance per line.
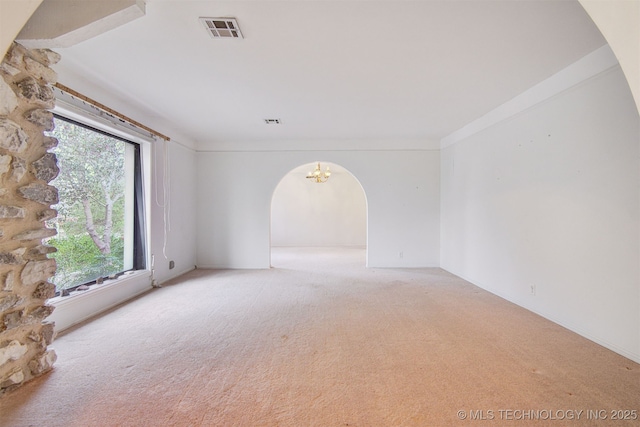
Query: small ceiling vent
x=272, y=121
x=222, y=28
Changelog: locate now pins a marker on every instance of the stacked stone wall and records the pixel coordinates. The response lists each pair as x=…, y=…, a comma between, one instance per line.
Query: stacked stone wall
x=26, y=168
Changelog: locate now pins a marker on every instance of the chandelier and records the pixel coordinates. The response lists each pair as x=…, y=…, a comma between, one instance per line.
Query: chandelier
x=318, y=175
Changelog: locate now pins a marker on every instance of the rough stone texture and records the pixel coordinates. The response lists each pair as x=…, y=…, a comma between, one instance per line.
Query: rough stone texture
x=11, y=212
x=41, y=250
x=40, y=71
x=41, y=313
x=44, y=290
x=16, y=376
x=46, y=167
x=25, y=205
x=13, y=320
x=45, y=194
x=15, y=56
x=9, y=258
x=19, y=318
x=38, y=233
x=46, y=214
x=8, y=99
x=34, y=92
x=45, y=56
x=38, y=271
x=33, y=336
x=9, y=302
x=5, y=163
x=8, y=69
x=11, y=351
x=40, y=117
x=48, y=332
x=6, y=282
x=49, y=142
x=44, y=363
x=12, y=137
x=19, y=169
x=13, y=257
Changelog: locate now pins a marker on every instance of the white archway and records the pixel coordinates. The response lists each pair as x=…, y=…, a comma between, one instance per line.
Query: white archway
x=309, y=214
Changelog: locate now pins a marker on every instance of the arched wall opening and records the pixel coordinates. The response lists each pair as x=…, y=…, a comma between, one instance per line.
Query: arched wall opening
x=308, y=214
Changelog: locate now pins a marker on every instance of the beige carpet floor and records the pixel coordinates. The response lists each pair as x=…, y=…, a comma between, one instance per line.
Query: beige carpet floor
x=319, y=340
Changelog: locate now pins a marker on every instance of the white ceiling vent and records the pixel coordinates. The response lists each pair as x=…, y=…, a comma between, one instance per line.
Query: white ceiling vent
x=222, y=28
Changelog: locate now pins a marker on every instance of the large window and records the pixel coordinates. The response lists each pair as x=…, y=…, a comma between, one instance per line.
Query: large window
x=100, y=216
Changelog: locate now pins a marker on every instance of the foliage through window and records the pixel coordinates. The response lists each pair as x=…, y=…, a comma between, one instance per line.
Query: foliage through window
x=98, y=221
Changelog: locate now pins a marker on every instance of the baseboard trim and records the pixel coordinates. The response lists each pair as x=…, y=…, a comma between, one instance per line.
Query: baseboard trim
x=616, y=349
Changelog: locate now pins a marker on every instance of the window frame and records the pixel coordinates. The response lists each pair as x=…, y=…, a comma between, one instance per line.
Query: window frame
x=81, y=113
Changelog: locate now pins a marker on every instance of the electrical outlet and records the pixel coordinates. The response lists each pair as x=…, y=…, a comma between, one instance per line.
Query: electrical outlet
x=401, y=254
x=533, y=289
x=171, y=264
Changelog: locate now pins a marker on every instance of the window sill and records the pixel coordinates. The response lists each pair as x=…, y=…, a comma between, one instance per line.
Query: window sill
x=81, y=305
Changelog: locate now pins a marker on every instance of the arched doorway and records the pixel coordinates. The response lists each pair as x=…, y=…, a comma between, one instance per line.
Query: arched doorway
x=307, y=216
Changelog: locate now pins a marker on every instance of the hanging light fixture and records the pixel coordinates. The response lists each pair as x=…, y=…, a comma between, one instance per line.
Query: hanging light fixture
x=318, y=175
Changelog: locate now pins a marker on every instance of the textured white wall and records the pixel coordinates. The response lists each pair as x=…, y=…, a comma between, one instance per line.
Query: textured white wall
x=306, y=213
x=549, y=198
x=236, y=188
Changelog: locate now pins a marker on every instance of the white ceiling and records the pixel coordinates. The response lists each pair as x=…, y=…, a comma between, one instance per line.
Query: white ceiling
x=330, y=70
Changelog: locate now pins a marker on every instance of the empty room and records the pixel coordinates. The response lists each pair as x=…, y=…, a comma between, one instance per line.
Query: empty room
x=322, y=213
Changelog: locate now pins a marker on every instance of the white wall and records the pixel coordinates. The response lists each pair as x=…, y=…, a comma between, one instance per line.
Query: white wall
x=549, y=198
x=307, y=213
x=173, y=209
x=235, y=191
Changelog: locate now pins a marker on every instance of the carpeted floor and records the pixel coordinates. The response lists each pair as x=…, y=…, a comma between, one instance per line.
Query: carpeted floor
x=321, y=341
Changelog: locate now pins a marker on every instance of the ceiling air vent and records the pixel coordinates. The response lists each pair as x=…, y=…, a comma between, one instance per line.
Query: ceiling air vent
x=222, y=28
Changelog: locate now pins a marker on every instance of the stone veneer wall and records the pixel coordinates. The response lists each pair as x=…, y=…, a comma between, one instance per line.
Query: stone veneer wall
x=26, y=168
